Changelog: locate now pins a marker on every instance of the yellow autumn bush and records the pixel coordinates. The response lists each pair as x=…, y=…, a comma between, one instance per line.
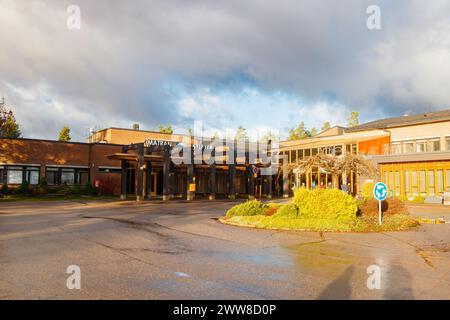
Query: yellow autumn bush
x=325, y=204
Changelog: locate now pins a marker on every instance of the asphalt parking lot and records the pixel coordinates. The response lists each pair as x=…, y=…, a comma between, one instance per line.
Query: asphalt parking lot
x=178, y=250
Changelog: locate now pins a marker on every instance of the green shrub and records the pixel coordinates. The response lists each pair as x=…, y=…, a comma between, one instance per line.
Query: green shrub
x=53, y=190
x=89, y=189
x=64, y=189
x=77, y=190
x=419, y=199
x=325, y=204
x=302, y=195
x=43, y=186
x=4, y=190
x=289, y=211
x=367, y=190
x=24, y=188
x=249, y=208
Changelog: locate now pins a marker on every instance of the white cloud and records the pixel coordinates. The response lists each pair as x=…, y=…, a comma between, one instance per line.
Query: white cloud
x=113, y=70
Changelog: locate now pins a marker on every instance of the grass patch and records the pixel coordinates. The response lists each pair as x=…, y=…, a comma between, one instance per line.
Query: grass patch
x=396, y=222
x=268, y=222
x=363, y=224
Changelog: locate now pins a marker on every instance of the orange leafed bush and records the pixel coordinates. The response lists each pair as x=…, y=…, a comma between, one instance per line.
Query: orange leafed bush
x=390, y=206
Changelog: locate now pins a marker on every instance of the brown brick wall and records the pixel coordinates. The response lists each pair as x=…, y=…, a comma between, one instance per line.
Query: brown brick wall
x=107, y=182
x=47, y=153
x=127, y=136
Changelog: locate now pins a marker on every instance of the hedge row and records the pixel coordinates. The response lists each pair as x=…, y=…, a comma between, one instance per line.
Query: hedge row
x=325, y=204
x=249, y=208
x=43, y=189
x=307, y=204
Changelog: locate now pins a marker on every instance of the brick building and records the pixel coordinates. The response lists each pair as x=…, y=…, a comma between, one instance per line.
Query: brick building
x=412, y=154
x=59, y=162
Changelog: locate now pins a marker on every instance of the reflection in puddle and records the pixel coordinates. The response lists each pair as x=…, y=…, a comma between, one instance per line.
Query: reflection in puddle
x=319, y=257
x=259, y=258
x=182, y=275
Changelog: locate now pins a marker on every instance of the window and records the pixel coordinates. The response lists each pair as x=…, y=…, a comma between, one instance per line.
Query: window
x=420, y=146
x=300, y=154
x=2, y=175
x=447, y=175
x=431, y=190
x=447, y=140
x=434, y=145
x=314, y=151
x=293, y=155
x=14, y=175
x=408, y=147
x=396, y=148
x=415, y=188
x=330, y=150
x=32, y=175
x=397, y=183
x=407, y=183
x=280, y=161
x=52, y=176
x=117, y=170
x=337, y=150
x=423, y=181
x=67, y=176
x=391, y=183
x=17, y=174
x=307, y=152
x=440, y=180
x=70, y=176
x=429, y=145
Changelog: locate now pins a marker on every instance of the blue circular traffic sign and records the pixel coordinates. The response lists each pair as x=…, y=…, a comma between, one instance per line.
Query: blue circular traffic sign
x=380, y=191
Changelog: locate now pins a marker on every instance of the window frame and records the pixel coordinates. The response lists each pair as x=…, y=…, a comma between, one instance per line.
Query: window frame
x=57, y=180
x=23, y=170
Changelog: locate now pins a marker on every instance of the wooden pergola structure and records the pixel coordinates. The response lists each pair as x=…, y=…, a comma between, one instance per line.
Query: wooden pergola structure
x=159, y=156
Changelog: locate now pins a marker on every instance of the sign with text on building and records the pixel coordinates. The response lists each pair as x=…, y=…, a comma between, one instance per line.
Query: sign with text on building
x=192, y=187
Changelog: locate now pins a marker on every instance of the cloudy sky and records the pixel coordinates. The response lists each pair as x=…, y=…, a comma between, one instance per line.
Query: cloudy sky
x=228, y=63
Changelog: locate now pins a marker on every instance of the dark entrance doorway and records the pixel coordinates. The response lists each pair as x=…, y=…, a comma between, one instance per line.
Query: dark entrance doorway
x=131, y=178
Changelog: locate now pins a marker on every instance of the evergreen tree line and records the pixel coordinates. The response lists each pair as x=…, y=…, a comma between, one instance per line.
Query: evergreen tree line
x=9, y=128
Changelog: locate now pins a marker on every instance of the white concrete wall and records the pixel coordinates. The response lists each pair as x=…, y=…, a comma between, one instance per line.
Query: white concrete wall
x=424, y=131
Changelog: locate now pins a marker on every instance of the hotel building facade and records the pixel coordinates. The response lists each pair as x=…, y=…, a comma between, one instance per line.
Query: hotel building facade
x=412, y=154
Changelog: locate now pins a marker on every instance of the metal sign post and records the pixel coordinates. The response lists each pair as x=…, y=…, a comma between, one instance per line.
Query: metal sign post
x=380, y=193
x=379, y=212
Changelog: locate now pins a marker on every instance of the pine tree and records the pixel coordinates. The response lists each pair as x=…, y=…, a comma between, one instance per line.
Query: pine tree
x=64, y=134
x=166, y=129
x=241, y=133
x=299, y=133
x=353, y=120
x=326, y=125
x=9, y=128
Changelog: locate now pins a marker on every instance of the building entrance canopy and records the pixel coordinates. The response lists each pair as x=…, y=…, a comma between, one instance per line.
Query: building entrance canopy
x=171, y=158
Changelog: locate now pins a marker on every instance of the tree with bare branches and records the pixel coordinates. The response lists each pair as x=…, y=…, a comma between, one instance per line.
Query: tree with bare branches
x=336, y=165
